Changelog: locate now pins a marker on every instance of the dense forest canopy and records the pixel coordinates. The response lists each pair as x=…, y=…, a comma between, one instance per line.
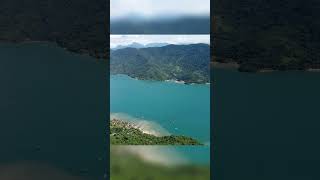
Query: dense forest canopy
x=77, y=25
x=267, y=34
x=189, y=63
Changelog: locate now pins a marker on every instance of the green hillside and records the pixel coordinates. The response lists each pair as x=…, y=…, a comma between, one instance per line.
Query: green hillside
x=188, y=63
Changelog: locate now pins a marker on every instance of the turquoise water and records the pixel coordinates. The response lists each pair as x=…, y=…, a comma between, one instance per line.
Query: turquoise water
x=169, y=107
x=194, y=155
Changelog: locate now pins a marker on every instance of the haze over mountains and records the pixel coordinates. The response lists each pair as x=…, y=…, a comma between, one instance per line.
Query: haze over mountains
x=138, y=45
x=188, y=63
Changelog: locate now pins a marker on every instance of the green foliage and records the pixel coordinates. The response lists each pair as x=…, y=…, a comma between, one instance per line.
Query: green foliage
x=188, y=63
x=264, y=34
x=126, y=166
x=123, y=133
x=77, y=25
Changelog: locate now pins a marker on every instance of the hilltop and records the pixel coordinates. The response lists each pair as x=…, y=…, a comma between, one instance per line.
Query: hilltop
x=138, y=45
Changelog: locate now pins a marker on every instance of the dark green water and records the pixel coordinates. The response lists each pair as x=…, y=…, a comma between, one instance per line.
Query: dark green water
x=266, y=126
x=53, y=110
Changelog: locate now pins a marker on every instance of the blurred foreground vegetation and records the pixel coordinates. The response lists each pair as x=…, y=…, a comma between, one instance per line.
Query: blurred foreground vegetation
x=130, y=167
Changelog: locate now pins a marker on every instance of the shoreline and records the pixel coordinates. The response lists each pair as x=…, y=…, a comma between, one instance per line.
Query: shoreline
x=175, y=81
x=235, y=67
x=66, y=48
x=127, y=133
x=132, y=125
x=313, y=70
x=146, y=126
x=166, y=80
x=229, y=65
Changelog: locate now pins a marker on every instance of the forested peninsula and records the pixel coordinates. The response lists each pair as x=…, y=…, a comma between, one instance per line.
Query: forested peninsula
x=125, y=133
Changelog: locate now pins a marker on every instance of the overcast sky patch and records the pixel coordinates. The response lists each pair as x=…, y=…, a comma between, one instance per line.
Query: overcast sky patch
x=158, y=8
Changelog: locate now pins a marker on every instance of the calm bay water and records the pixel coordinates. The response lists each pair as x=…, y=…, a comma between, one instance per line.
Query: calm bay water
x=166, y=107
x=171, y=108
x=52, y=113
x=266, y=125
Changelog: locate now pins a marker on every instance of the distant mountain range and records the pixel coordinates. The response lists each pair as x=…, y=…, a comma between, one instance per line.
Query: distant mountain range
x=138, y=45
x=188, y=63
x=182, y=25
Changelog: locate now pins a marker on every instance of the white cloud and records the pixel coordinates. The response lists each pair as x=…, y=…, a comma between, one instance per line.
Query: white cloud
x=152, y=8
x=116, y=40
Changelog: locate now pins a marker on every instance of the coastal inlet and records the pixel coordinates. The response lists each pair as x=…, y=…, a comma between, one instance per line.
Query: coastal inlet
x=166, y=108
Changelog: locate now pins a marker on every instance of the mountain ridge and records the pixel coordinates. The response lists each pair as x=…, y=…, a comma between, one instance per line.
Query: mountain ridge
x=138, y=45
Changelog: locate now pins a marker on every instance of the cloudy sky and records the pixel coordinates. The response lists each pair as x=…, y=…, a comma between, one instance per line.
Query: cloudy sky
x=116, y=40
x=156, y=8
